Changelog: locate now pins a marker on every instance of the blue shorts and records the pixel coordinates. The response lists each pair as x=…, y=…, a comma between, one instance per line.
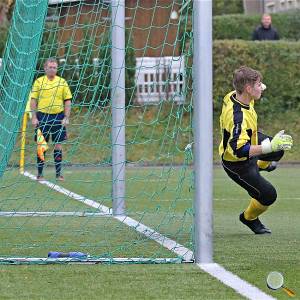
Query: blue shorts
x=50, y=124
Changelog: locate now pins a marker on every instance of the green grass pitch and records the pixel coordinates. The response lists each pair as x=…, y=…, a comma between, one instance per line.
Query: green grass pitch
x=161, y=201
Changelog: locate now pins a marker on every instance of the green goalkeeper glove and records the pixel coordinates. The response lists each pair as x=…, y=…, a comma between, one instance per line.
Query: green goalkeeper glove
x=279, y=142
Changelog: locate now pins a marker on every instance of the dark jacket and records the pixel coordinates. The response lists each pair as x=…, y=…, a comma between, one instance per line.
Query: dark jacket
x=261, y=33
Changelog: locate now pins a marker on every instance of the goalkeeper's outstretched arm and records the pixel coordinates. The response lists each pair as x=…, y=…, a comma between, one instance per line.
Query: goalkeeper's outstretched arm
x=281, y=141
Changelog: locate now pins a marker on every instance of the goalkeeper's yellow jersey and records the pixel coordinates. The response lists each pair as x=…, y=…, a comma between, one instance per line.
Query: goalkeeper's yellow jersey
x=238, y=123
x=50, y=94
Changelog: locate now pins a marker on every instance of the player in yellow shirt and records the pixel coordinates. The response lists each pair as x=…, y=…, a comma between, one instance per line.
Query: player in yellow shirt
x=242, y=146
x=51, y=107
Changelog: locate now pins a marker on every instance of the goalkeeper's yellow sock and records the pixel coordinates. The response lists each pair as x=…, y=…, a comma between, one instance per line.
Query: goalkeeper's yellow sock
x=263, y=164
x=254, y=210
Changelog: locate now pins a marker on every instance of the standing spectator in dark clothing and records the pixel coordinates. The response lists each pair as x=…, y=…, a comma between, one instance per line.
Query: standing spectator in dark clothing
x=265, y=31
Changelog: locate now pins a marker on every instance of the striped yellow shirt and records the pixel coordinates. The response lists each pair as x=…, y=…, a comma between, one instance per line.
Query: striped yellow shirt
x=238, y=123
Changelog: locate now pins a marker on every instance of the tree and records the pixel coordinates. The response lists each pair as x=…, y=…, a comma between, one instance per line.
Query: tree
x=225, y=7
x=6, y=10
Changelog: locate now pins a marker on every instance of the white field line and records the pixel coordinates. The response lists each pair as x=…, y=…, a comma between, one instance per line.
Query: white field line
x=173, y=246
x=51, y=214
x=72, y=195
x=239, y=285
x=88, y=260
x=231, y=280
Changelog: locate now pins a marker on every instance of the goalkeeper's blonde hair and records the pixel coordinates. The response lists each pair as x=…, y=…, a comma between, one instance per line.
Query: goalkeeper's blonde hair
x=243, y=76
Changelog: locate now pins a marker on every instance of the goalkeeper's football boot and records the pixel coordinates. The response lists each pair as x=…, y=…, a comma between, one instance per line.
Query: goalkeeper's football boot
x=271, y=167
x=255, y=225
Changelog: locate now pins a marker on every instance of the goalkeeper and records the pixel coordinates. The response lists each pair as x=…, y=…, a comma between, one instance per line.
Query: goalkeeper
x=245, y=151
x=50, y=108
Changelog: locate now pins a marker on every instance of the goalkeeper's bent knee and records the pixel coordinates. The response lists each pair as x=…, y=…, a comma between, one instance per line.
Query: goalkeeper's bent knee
x=268, y=196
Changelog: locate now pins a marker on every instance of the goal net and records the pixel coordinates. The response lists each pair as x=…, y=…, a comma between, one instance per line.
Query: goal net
x=127, y=192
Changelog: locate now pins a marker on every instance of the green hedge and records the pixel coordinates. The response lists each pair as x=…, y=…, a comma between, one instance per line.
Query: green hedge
x=279, y=63
x=241, y=26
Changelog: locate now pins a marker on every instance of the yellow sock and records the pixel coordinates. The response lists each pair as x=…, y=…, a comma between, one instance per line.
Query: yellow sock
x=263, y=164
x=254, y=210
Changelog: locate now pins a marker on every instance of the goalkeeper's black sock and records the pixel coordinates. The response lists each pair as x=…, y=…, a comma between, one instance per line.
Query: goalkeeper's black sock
x=57, y=161
x=40, y=166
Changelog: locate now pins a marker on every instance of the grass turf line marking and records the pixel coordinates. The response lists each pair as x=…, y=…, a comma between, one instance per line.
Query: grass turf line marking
x=88, y=260
x=156, y=236
x=239, y=285
x=51, y=214
x=173, y=246
x=229, y=279
x=72, y=195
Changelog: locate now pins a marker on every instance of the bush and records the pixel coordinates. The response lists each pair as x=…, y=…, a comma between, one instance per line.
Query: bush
x=279, y=63
x=242, y=26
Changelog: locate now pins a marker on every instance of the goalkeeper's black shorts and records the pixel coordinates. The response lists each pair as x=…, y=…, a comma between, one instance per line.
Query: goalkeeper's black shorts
x=50, y=125
x=247, y=175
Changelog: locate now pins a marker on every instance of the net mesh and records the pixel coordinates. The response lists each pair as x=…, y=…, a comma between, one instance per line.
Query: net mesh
x=75, y=215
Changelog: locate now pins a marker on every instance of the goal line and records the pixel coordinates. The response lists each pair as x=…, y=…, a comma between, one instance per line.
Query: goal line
x=89, y=260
